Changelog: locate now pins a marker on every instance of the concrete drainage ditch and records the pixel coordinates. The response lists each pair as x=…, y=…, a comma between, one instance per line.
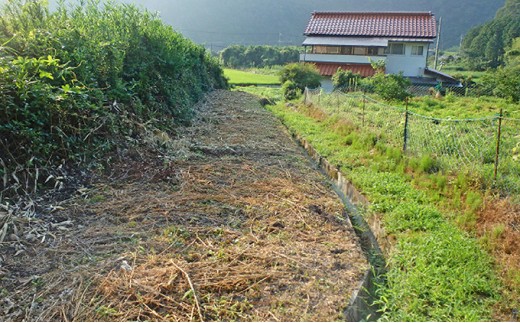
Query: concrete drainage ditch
x=360, y=306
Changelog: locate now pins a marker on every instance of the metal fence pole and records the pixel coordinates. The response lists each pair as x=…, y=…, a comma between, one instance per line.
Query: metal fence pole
x=363, y=114
x=405, y=137
x=499, y=137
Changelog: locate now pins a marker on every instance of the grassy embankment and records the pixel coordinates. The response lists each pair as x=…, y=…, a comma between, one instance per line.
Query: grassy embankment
x=438, y=269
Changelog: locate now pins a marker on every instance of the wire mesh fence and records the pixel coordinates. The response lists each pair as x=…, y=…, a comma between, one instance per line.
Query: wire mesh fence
x=464, y=91
x=488, y=148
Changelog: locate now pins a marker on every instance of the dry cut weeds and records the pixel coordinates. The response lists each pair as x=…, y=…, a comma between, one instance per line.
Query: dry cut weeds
x=228, y=221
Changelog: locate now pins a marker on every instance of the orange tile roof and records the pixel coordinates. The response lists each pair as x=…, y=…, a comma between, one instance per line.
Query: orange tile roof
x=373, y=24
x=329, y=69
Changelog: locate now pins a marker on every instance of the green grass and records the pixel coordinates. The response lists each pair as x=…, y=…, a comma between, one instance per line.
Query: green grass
x=237, y=77
x=455, y=71
x=273, y=93
x=437, y=272
x=455, y=107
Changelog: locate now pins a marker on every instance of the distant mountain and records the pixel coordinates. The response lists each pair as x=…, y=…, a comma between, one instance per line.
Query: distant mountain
x=251, y=22
x=219, y=23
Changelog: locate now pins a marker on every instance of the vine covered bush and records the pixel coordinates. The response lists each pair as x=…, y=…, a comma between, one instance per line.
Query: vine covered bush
x=68, y=78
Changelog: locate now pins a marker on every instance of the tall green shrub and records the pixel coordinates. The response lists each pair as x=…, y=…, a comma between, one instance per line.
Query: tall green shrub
x=391, y=86
x=69, y=75
x=302, y=75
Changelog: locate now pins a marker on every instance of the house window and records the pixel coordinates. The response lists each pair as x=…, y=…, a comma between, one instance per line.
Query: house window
x=376, y=51
x=346, y=50
x=418, y=50
x=319, y=49
x=395, y=49
x=326, y=50
x=333, y=49
x=360, y=50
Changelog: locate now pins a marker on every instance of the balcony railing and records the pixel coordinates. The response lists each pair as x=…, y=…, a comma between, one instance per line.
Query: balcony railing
x=331, y=58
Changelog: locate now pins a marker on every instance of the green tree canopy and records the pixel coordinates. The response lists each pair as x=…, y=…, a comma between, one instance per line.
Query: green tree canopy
x=484, y=46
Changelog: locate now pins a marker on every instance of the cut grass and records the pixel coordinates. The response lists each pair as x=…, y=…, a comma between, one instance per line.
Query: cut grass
x=437, y=272
x=244, y=78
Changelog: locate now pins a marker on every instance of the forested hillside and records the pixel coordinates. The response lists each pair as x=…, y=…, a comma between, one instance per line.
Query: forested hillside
x=271, y=22
x=485, y=45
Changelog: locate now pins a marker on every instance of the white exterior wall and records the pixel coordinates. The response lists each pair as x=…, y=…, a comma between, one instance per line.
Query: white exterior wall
x=410, y=65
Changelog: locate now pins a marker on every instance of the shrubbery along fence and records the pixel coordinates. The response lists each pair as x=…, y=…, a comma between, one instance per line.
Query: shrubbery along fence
x=487, y=149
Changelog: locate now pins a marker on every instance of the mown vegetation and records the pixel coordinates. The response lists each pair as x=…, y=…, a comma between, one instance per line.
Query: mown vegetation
x=74, y=79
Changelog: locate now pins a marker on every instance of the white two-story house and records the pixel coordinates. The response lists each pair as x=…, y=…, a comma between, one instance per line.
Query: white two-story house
x=352, y=40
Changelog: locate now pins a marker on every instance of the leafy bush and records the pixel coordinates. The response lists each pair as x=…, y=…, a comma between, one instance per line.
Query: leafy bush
x=302, y=75
x=343, y=79
x=70, y=78
x=504, y=82
x=290, y=91
x=391, y=86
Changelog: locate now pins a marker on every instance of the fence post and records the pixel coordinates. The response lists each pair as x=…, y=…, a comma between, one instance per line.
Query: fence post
x=364, y=103
x=405, y=137
x=499, y=137
x=305, y=98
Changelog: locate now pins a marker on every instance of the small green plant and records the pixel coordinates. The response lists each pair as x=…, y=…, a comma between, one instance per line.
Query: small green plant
x=106, y=311
x=291, y=91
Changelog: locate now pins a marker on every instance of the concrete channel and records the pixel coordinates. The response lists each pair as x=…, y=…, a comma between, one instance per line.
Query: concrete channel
x=360, y=307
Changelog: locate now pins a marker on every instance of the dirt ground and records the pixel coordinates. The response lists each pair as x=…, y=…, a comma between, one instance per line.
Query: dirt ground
x=227, y=221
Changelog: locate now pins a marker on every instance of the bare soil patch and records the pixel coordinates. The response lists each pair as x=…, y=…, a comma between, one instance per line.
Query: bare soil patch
x=228, y=221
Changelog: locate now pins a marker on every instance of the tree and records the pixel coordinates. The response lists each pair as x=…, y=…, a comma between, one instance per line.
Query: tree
x=238, y=56
x=302, y=75
x=505, y=81
x=484, y=46
x=391, y=86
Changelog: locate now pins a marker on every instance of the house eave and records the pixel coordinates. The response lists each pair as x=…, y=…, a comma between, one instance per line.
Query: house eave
x=320, y=39
x=345, y=41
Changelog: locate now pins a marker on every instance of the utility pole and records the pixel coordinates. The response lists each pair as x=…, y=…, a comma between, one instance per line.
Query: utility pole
x=437, y=46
